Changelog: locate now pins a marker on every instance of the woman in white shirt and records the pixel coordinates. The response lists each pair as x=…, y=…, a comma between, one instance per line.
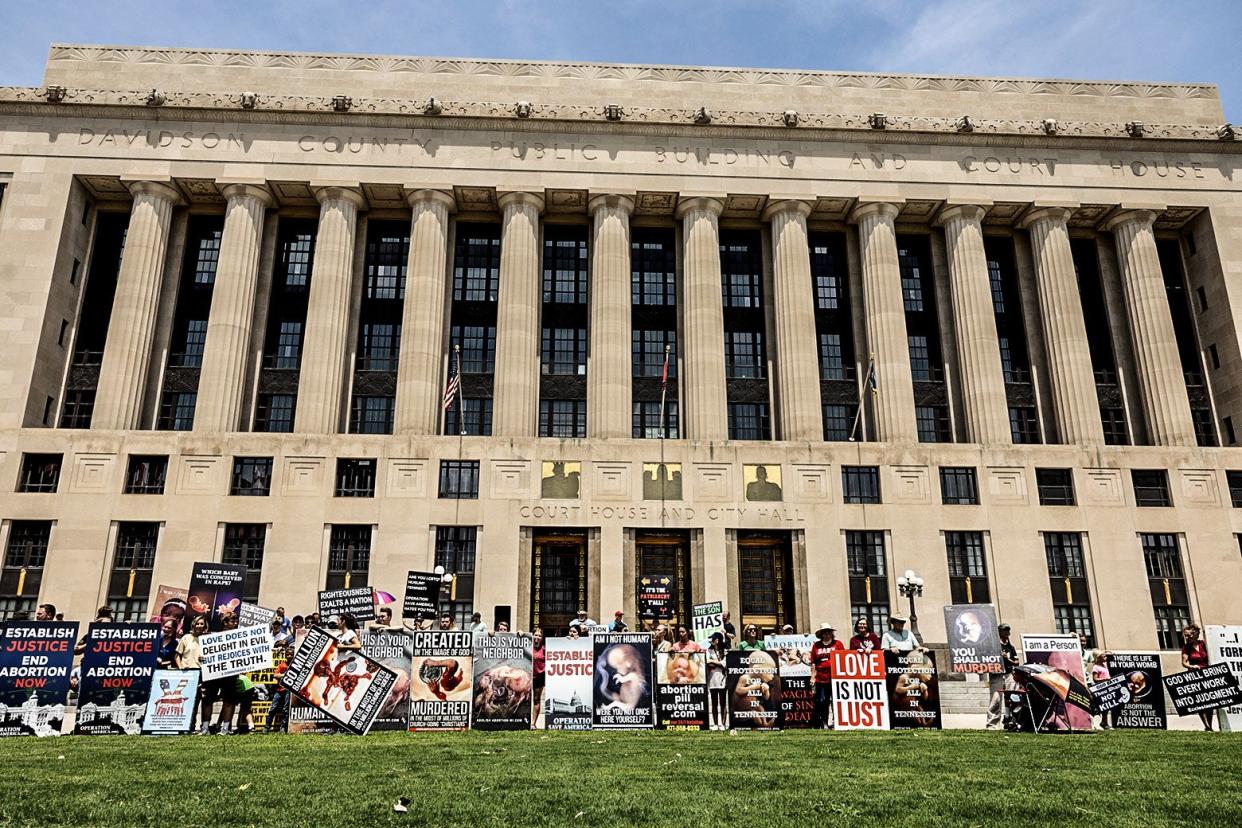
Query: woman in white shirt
x=898, y=639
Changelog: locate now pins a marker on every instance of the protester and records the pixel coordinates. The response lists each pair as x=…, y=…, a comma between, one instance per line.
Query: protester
x=730, y=631
x=189, y=656
x=173, y=609
x=684, y=643
x=223, y=690
x=447, y=623
x=863, y=638
x=278, y=713
x=821, y=673
x=166, y=652
x=383, y=619
x=502, y=627
x=244, y=691
x=274, y=632
x=538, y=655
x=45, y=612
x=999, y=682
x=788, y=629
x=1195, y=657
x=476, y=624
x=347, y=638
x=103, y=615
x=618, y=623
x=717, y=691
x=659, y=640
x=898, y=639
x=573, y=633
x=1099, y=672
x=750, y=639
x=582, y=622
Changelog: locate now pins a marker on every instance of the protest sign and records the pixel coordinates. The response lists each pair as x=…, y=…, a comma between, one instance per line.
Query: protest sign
x=253, y=615
x=655, y=597
x=753, y=685
x=345, y=684
x=115, y=678
x=706, y=619
x=1196, y=691
x=1224, y=646
x=974, y=644
x=859, y=691
x=422, y=595
x=793, y=660
x=393, y=649
x=441, y=679
x=215, y=588
x=622, y=694
x=503, y=682
x=1109, y=694
x=1145, y=681
x=233, y=652
x=1050, y=701
x=266, y=681
x=357, y=600
x=170, y=605
x=681, y=691
x=913, y=690
x=306, y=719
x=35, y=660
x=171, y=702
x=568, y=664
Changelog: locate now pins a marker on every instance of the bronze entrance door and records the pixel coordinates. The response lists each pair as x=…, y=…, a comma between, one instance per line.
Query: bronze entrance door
x=663, y=589
x=765, y=581
x=558, y=582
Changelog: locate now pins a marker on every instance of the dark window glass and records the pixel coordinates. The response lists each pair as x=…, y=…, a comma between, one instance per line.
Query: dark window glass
x=193, y=341
x=1205, y=426
x=653, y=268
x=476, y=263
x=839, y=421
x=274, y=413
x=564, y=351
x=28, y=542
x=932, y=422
x=1166, y=582
x=355, y=477
x=387, y=255
x=565, y=265
x=78, y=408
x=252, y=476
x=860, y=484
x=177, y=410
x=647, y=349
x=40, y=473
x=207, y=258
x=749, y=421
x=829, y=276
x=478, y=347
x=741, y=270
x=455, y=551
x=831, y=358
x=744, y=355
x=296, y=252
x=129, y=583
x=562, y=418
x=868, y=573
x=469, y=416
x=1151, y=487
x=920, y=359
x=1234, y=479
x=243, y=546
x=1067, y=577
x=1114, y=422
x=1023, y=424
x=911, y=279
x=958, y=486
x=372, y=414
x=646, y=420
x=1056, y=487
x=349, y=556
x=379, y=346
x=968, y=569
x=289, y=345
x=146, y=474
x=459, y=479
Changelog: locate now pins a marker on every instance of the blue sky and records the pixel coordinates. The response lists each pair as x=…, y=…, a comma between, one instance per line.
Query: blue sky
x=1105, y=40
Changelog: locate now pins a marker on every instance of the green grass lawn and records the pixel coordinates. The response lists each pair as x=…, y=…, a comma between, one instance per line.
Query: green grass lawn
x=616, y=779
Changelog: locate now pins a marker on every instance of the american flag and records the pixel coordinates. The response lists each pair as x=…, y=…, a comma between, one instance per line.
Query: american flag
x=873, y=377
x=454, y=381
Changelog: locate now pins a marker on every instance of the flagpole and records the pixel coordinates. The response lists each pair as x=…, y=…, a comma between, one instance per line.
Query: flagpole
x=461, y=407
x=664, y=396
x=868, y=381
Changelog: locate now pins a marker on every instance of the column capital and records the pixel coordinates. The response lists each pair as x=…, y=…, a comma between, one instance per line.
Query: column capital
x=247, y=189
x=613, y=201
x=413, y=197
x=884, y=209
x=160, y=189
x=1145, y=218
x=1056, y=215
x=339, y=192
x=518, y=197
x=787, y=205
x=969, y=212
x=713, y=205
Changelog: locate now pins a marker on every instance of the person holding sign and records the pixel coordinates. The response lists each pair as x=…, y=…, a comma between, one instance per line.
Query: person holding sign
x=821, y=673
x=750, y=639
x=898, y=639
x=347, y=639
x=717, y=690
x=1195, y=657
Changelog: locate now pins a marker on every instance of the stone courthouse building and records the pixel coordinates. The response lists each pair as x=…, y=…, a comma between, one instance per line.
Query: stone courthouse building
x=238, y=286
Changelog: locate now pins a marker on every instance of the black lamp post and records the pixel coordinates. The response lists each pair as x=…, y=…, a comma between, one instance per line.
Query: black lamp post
x=911, y=586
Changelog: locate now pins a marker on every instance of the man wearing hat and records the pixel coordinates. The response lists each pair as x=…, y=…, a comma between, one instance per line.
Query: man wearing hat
x=821, y=673
x=582, y=622
x=998, y=681
x=617, y=624
x=898, y=639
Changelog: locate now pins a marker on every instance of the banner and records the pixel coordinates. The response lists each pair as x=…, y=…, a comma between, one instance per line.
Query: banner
x=1059, y=652
x=974, y=644
x=306, y=719
x=503, y=681
x=345, y=684
x=859, y=690
x=1196, y=691
x=215, y=588
x=233, y=652
x=655, y=597
x=913, y=690
x=441, y=679
x=394, y=650
x=35, y=660
x=422, y=594
x=1224, y=646
x=1109, y=694
x=754, y=690
x=253, y=615
x=1144, y=682
x=706, y=619
x=170, y=704
x=681, y=691
x=170, y=605
x=568, y=664
x=793, y=660
x=622, y=693
x=115, y=678
x=357, y=600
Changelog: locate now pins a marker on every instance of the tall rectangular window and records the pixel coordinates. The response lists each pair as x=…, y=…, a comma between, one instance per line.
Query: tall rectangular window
x=455, y=551
x=1170, y=600
x=564, y=351
x=920, y=358
x=1023, y=424
x=469, y=417
x=648, y=354
x=749, y=421
x=958, y=486
x=565, y=265
x=932, y=423
x=910, y=266
x=22, y=573
x=744, y=356
x=349, y=556
x=478, y=347
x=968, y=568
x=289, y=345
x=562, y=418
x=129, y=583
x=860, y=484
x=372, y=414
x=243, y=546
x=146, y=474
x=459, y=479
x=868, y=572
x=177, y=410
x=653, y=266
x=831, y=358
x=379, y=346
x=388, y=252
x=274, y=413
x=646, y=420
x=1234, y=479
x=1067, y=577
x=476, y=263
x=839, y=421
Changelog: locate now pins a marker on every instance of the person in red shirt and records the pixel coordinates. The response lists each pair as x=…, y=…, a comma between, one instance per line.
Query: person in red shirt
x=864, y=639
x=821, y=673
x=1195, y=657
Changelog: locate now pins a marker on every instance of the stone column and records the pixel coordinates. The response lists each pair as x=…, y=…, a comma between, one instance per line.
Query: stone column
x=1166, y=405
x=885, y=313
x=1071, y=377
x=609, y=370
x=322, y=377
x=515, y=410
x=985, y=409
x=420, y=372
x=131, y=328
x=793, y=300
x=702, y=385
x=221, y=382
